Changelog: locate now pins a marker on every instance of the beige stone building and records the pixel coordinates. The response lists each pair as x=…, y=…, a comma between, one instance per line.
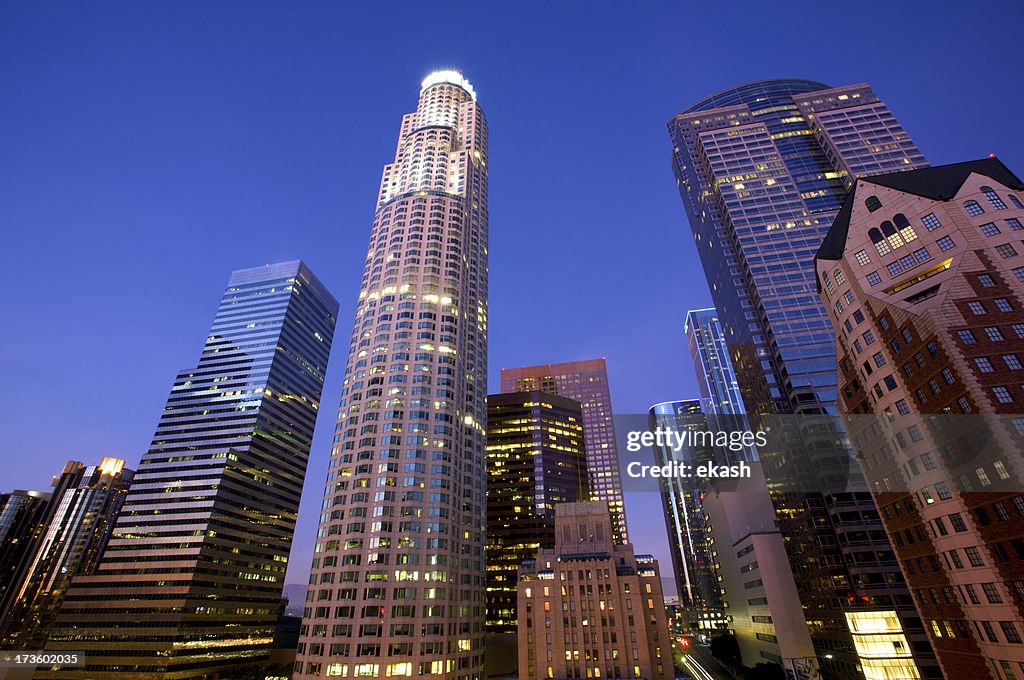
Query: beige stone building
x=923, y=277
x=590, y=608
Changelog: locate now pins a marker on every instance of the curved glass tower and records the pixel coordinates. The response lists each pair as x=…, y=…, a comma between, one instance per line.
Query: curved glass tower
x=762, y=169
x=397, y=582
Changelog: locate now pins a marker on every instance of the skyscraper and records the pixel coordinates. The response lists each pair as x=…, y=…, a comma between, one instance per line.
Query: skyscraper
x=762, y=170
x=535, y=460
x=71, y=543
x=586, y=382
x=590, y=607
x=397, y=583
x=22, y=516
x=716, y=378
x=923, y=278
x=758, y=588
x=689, y=538
x=191, y=579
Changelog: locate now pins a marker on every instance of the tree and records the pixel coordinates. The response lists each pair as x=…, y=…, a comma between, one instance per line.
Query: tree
x=725, y=648
x=765, y=671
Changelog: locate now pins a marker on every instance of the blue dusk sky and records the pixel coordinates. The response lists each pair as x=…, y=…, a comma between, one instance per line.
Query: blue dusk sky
x=149, y=149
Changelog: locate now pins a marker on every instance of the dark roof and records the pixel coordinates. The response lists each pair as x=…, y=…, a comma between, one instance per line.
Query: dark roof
x=939, y=183
x=835, y=240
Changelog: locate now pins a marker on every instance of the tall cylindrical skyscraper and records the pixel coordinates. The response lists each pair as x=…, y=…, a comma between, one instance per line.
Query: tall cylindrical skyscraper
x=397, y=582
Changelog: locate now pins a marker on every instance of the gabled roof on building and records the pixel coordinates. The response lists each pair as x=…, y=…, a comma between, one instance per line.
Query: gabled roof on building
x=939, y=183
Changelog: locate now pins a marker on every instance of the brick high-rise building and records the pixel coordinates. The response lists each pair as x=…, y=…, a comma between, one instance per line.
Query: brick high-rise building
x=922, y=275
x=587, y=382
x=397, y=583
x=535, y=461
x=589, y=607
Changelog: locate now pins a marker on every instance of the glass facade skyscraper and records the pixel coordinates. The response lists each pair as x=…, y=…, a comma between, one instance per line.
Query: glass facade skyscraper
x=535, y=460
x=762, y=170
x=77, y=529
x=191, y=580
x=716, y=378
x=587, y=382
x=696, y=573
x=22, y=516
x=397, y=582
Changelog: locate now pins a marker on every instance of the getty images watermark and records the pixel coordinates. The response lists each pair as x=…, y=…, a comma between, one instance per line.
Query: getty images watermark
x=670, y=439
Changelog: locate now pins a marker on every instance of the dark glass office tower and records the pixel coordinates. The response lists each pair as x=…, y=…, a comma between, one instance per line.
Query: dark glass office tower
x=190, y=583
x=696, y=573
x=72, y=541
x=535, y=460
x=21, y=522
x=716, y=378
x=585, y=381
x=762, y=170
x=397, y=582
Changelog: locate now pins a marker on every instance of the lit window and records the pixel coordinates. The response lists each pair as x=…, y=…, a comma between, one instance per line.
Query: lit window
x=862, y=257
